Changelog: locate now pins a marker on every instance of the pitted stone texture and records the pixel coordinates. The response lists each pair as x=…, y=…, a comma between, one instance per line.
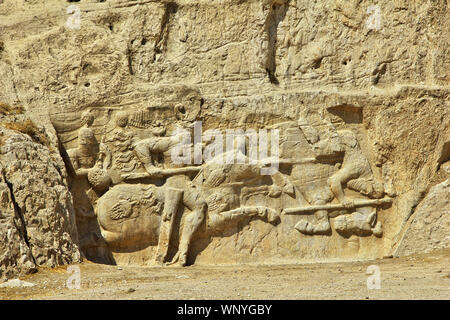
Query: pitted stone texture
x=430, y=225
x=241, y=64
x=36, y=205
x=15, y=257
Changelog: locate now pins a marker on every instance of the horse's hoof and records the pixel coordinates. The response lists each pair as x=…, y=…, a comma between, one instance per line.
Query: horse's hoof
x=178, y=260
x=174, y=260
x=178, y=263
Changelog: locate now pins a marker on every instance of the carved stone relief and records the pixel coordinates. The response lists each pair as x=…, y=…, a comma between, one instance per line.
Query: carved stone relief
x=131, y=195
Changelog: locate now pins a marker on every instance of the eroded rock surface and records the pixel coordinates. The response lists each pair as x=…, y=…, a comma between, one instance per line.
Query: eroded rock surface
x=430, y=225
x=37, y=217
x=352, y=96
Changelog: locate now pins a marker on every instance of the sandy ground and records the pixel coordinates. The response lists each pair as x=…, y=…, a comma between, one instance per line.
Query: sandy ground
x=416, y=277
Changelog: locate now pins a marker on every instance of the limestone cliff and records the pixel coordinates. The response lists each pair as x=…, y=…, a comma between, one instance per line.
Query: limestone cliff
x=118, y=72
x=36, y=212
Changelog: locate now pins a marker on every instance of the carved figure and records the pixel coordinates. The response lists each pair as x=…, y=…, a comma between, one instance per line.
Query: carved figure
x=178, y=184
x=90, y=158
x=355, y=172
x=317, y=170
x=359, y=223
x=87, y=119
x=84, y=156
x=222, y=183
x=131, y=213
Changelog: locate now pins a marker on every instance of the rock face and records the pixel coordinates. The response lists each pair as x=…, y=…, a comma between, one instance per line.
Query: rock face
x=16, y=256
x=430, y=225
x=36, y=213
x=310, y=130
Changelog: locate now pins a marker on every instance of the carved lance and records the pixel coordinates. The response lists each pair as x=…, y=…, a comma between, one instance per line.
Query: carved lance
x=162, y=173
x=289, y=161
x=337, y=206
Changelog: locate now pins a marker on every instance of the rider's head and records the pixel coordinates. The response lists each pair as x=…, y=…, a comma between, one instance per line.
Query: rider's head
x=121, y=119
x=86, y=137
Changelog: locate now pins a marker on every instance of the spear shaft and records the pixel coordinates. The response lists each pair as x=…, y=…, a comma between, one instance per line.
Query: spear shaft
x=337, y=206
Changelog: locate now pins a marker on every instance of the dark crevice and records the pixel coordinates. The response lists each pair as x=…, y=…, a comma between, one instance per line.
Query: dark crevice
x=444, y=155
x=317, y=63
x=379, y=71
x=130, y=61
x=272, y=78
x=412, y=211
x=19, y=214
x=276, y=14
x=161, y=42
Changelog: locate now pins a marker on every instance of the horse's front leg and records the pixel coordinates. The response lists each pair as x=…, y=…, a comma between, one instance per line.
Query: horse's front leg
x=191, y=224
x=173, y=199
